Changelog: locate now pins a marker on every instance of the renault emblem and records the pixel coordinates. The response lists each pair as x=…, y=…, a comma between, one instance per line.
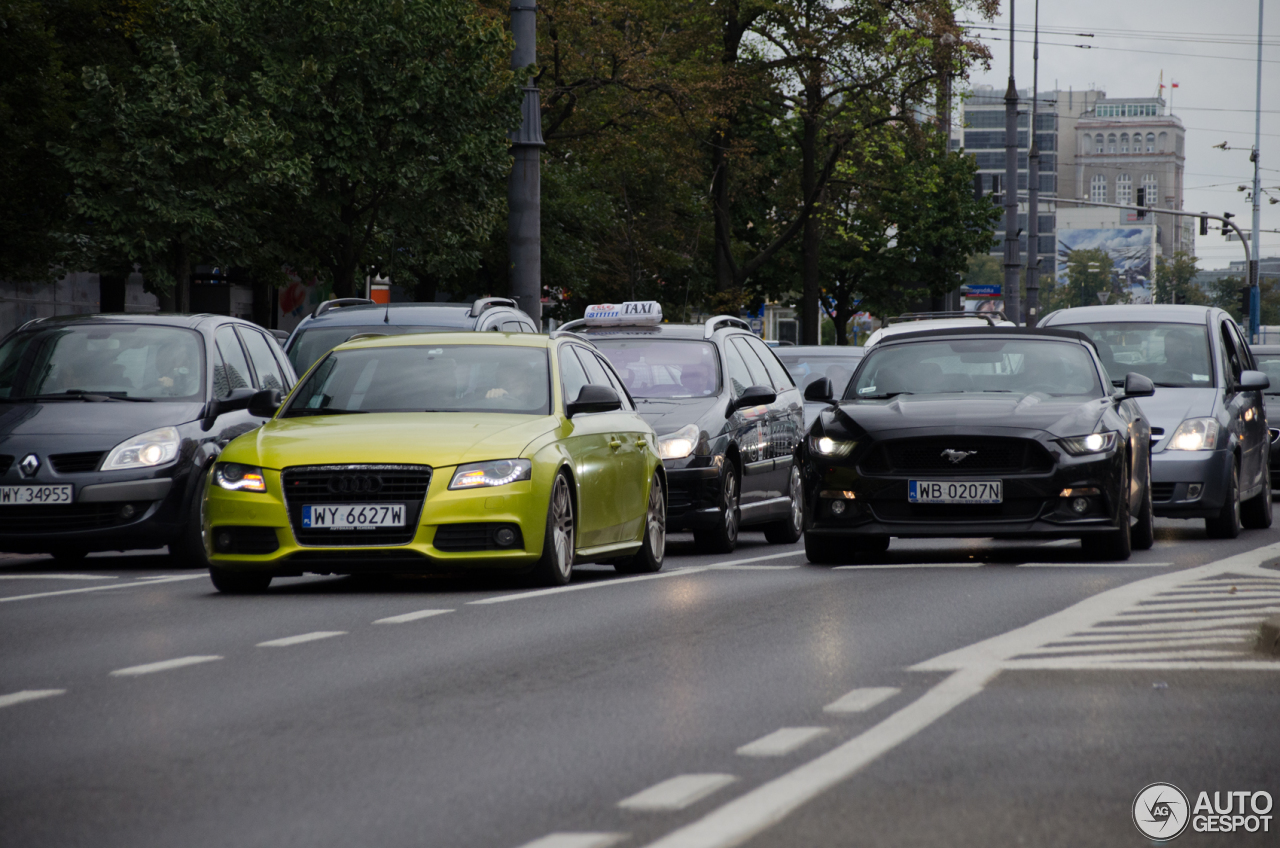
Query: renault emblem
x=30, y=465
x=957, y=455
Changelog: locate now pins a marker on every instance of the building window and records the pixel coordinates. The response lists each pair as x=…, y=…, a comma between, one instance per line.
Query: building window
x=1150, y=189
x=1111, y=143
x=1086, y=143
x=1100, y=141
x=1164, y=141
x=1098, y=188
x=1151, y=142
x=1124, y=142
x=1124, y=189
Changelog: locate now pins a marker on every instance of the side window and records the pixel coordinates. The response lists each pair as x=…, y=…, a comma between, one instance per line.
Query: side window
x=759, y=376
x=781, y=379
x=234, y=366
x=512, y=327
x=528, y=328
x=264, y=364
x=616, y=383
x=572, y=376
x=739, y=376
x=595, y=371
x=1230, y=353
x=1246, y=355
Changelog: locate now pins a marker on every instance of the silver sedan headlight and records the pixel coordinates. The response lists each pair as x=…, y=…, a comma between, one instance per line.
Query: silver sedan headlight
x=1195, y=434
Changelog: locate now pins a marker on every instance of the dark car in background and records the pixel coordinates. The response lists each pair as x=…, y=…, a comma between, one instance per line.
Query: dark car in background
x=1210, y=444
x=1267, y=359
x=109, y=423
x=729, y=420
x=807, y=363
x=984, y=432
x=335, y=321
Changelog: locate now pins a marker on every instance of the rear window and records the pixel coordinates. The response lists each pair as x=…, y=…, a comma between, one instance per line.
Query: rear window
x=312, y=344
x=664, y=368
x=807, y=368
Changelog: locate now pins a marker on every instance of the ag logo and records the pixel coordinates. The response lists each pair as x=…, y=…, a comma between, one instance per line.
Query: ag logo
x=1161, y=811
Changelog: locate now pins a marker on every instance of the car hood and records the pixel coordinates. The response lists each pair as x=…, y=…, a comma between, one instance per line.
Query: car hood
x=968, y=412
x=437, y=439
x=1168, y=408
x=666, y=415
x=108, y=421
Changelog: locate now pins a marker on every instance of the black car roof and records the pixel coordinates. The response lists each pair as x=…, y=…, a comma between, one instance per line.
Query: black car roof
x=964, y=332
x=403, y=314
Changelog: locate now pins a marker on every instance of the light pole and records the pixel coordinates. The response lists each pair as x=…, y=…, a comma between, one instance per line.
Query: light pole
x=1033, y=188
x=1012, y=254
x=1255, y=300
x=524, y=188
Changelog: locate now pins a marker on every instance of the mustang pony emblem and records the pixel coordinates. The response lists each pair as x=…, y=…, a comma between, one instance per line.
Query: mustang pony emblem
x=957, y=455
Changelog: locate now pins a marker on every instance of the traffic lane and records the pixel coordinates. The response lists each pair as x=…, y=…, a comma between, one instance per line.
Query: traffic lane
x=1056, y=758
x=563, y=703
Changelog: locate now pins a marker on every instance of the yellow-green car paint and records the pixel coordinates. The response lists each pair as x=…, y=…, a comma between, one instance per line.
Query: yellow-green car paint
x=611, y=481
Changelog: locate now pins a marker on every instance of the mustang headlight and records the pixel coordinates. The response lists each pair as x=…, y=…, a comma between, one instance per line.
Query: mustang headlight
x=1195, y=434
x=1092, y=443
x=154, y=447
x=496, y=472
x=827, y=446
x=679, y=444
x=237, y=477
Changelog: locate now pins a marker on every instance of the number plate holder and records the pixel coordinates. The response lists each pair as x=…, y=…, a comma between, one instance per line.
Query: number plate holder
x=36, y=495
x=352, y=516
x=955, y=491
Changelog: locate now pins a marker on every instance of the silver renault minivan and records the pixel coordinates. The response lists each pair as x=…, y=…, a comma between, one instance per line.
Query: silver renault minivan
x=1210, y=454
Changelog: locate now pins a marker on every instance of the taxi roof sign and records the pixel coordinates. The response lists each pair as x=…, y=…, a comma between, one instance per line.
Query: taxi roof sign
x=631, y=313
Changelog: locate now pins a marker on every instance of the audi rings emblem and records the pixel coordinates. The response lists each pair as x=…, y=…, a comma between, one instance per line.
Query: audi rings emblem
x=355, y=484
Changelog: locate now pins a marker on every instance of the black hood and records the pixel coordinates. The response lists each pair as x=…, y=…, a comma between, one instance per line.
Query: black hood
x=968, y=412
x=666, y=415
x=101, y=423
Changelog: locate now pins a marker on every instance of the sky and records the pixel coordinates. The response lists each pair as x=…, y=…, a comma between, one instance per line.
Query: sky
x=1208, y=48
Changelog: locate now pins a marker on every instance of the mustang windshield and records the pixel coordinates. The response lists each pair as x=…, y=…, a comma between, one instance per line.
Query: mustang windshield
x=663, y=368
x=425, y=378
x=135, y=361
x=1023, y=366
x=1175, y=355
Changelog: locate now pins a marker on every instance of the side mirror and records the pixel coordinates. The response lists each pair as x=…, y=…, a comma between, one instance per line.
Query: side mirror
x=819, y=390
x=594, y=399
x=1251, y=381
x=1136, y=386
x=753, y=396
x=238, y=399
x=265, y=403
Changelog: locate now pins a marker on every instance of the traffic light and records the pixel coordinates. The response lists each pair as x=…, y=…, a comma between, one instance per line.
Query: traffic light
x=1204, y=224
x=1227, y=216
x=1142, y=201
x=1245, y=301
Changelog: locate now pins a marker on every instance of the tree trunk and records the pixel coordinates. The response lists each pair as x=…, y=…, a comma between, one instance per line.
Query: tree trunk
x=720, y=197
x=182, y=276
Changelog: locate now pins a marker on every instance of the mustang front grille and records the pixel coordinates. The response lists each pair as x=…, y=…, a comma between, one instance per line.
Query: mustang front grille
x=948, y=455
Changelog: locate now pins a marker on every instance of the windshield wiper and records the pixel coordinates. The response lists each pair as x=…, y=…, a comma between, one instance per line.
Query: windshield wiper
x=301, y=413
x=884, y=396
x=79, y=394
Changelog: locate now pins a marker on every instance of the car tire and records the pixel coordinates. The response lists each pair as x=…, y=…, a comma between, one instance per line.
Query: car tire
x=825, y=550
x=653, y=543
x=188, y=550
x=868, y=546
x=1255, y=513
x=1227, y=523
x=230, y=582
x=789, y=531
x=723, y=538
x=1143, y=534
x=1116, y=544
x=555, y=567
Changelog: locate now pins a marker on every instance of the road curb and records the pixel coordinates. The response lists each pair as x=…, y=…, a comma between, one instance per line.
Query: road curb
x=1269, y=636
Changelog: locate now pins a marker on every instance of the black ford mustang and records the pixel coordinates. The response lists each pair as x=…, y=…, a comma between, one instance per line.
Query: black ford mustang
x=993, y=431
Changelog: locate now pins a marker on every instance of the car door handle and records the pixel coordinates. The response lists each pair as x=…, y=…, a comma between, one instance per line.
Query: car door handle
x=615, y=444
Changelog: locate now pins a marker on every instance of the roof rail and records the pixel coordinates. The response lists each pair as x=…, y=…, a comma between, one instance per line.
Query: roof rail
x=358, y=336
x=339, y=303
x=484, y=303
x=577, y=322
x=990, y=317
x=561, y=331
x=714, y=323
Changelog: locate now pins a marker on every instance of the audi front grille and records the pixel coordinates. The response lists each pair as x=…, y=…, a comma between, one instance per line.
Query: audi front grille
x=318, y=485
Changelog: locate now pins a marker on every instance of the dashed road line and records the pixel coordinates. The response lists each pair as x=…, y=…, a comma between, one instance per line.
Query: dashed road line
x=861, y=700
x=781, y=742
x=576, y=840
x=28, y=695
x=58, y=577
x=135, y=584
x=301, y=638
x=166, y=665
x=405, y=618
x=597, y=584
x=677, y=792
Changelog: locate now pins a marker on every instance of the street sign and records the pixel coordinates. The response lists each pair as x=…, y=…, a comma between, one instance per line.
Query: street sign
x=983, y=290
x=1102, y=296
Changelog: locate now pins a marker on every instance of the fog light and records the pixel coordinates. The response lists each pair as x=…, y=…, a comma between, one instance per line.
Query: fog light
x=127, y=511
x=1080, y=505
x=504, y=536
x=1193, y=491
x=837, y=508
x=223, y=541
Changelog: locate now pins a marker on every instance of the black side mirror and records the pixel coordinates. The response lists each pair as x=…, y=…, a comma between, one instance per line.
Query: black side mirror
x=754, y=396
x=238, y=399
x=1252, y=381
x=594, y=399
x=819, y=390
x=1136, y=386
x=265, y=403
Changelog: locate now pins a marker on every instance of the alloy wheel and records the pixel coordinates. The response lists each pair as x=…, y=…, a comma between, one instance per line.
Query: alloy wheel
x=562, y=526
x=657, y=521
x=797, y=504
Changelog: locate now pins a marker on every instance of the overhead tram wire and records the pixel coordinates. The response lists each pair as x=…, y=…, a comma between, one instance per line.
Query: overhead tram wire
x=1134, y=50
x=1146, y=35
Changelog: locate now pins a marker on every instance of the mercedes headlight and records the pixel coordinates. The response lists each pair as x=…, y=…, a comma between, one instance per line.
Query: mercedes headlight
x=239, y=478
x=1195, y=434
x=679, y=444
x=1092, y=443
x=154, y=447
x=496, y=472
x=827, y=446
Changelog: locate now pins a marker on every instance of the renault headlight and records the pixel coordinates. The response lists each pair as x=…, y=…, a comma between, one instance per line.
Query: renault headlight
x=239, y=478
x=1092, y=443
x=154, y=447
x=827, y=446
x=679, y=444
x=496, y=472
x=1195, y=434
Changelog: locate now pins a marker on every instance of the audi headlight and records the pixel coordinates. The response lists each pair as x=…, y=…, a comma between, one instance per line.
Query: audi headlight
x=827, y=446
x=679, y=444
x=1195, y=434
x=154, y=447
x=496, y=472
x=1092, y=443
x=239, y=478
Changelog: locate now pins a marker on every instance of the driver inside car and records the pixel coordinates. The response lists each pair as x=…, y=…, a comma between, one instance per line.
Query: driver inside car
x=1180, y=352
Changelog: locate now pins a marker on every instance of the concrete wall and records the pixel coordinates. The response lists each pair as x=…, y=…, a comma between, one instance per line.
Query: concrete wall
x=77, y=293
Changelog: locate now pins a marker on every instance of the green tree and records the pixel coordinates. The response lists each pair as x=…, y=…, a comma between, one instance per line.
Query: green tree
x=1088, y=273
x=1175, y=279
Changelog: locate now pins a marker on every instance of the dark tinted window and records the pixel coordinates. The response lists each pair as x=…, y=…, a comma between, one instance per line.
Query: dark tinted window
x=759, y=375
x=264, y=363
x=572, y=375
x=311, y=344
x=739, y=376
x=781, y=379
x=658, y=368
x=233, y=372
x=614, y=382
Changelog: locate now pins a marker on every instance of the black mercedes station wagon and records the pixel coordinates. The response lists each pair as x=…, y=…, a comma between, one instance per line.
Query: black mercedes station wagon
x=108, y=424
x=984, y=432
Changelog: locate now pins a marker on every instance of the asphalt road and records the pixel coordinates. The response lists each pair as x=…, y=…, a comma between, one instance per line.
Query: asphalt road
x=971, y=693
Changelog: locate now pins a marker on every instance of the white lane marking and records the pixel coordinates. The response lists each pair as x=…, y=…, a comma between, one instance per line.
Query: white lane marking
x=58, y=577
x=598, y=584
x=300, y=638
x=861, y=700
x=576, y=840
x=1127, y=664
x=759, y=558
x=909, y=565
x=747, y=815
x=1095, y=564
x=754, y=567
x=1059, y=543
x=1176, y=626
x=404, y=618
x=677, y=793
x=28, y=695
x=1147, y=613
x=1230, y=603
x=151, y=668
x=782, y=741
x=133, y=585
